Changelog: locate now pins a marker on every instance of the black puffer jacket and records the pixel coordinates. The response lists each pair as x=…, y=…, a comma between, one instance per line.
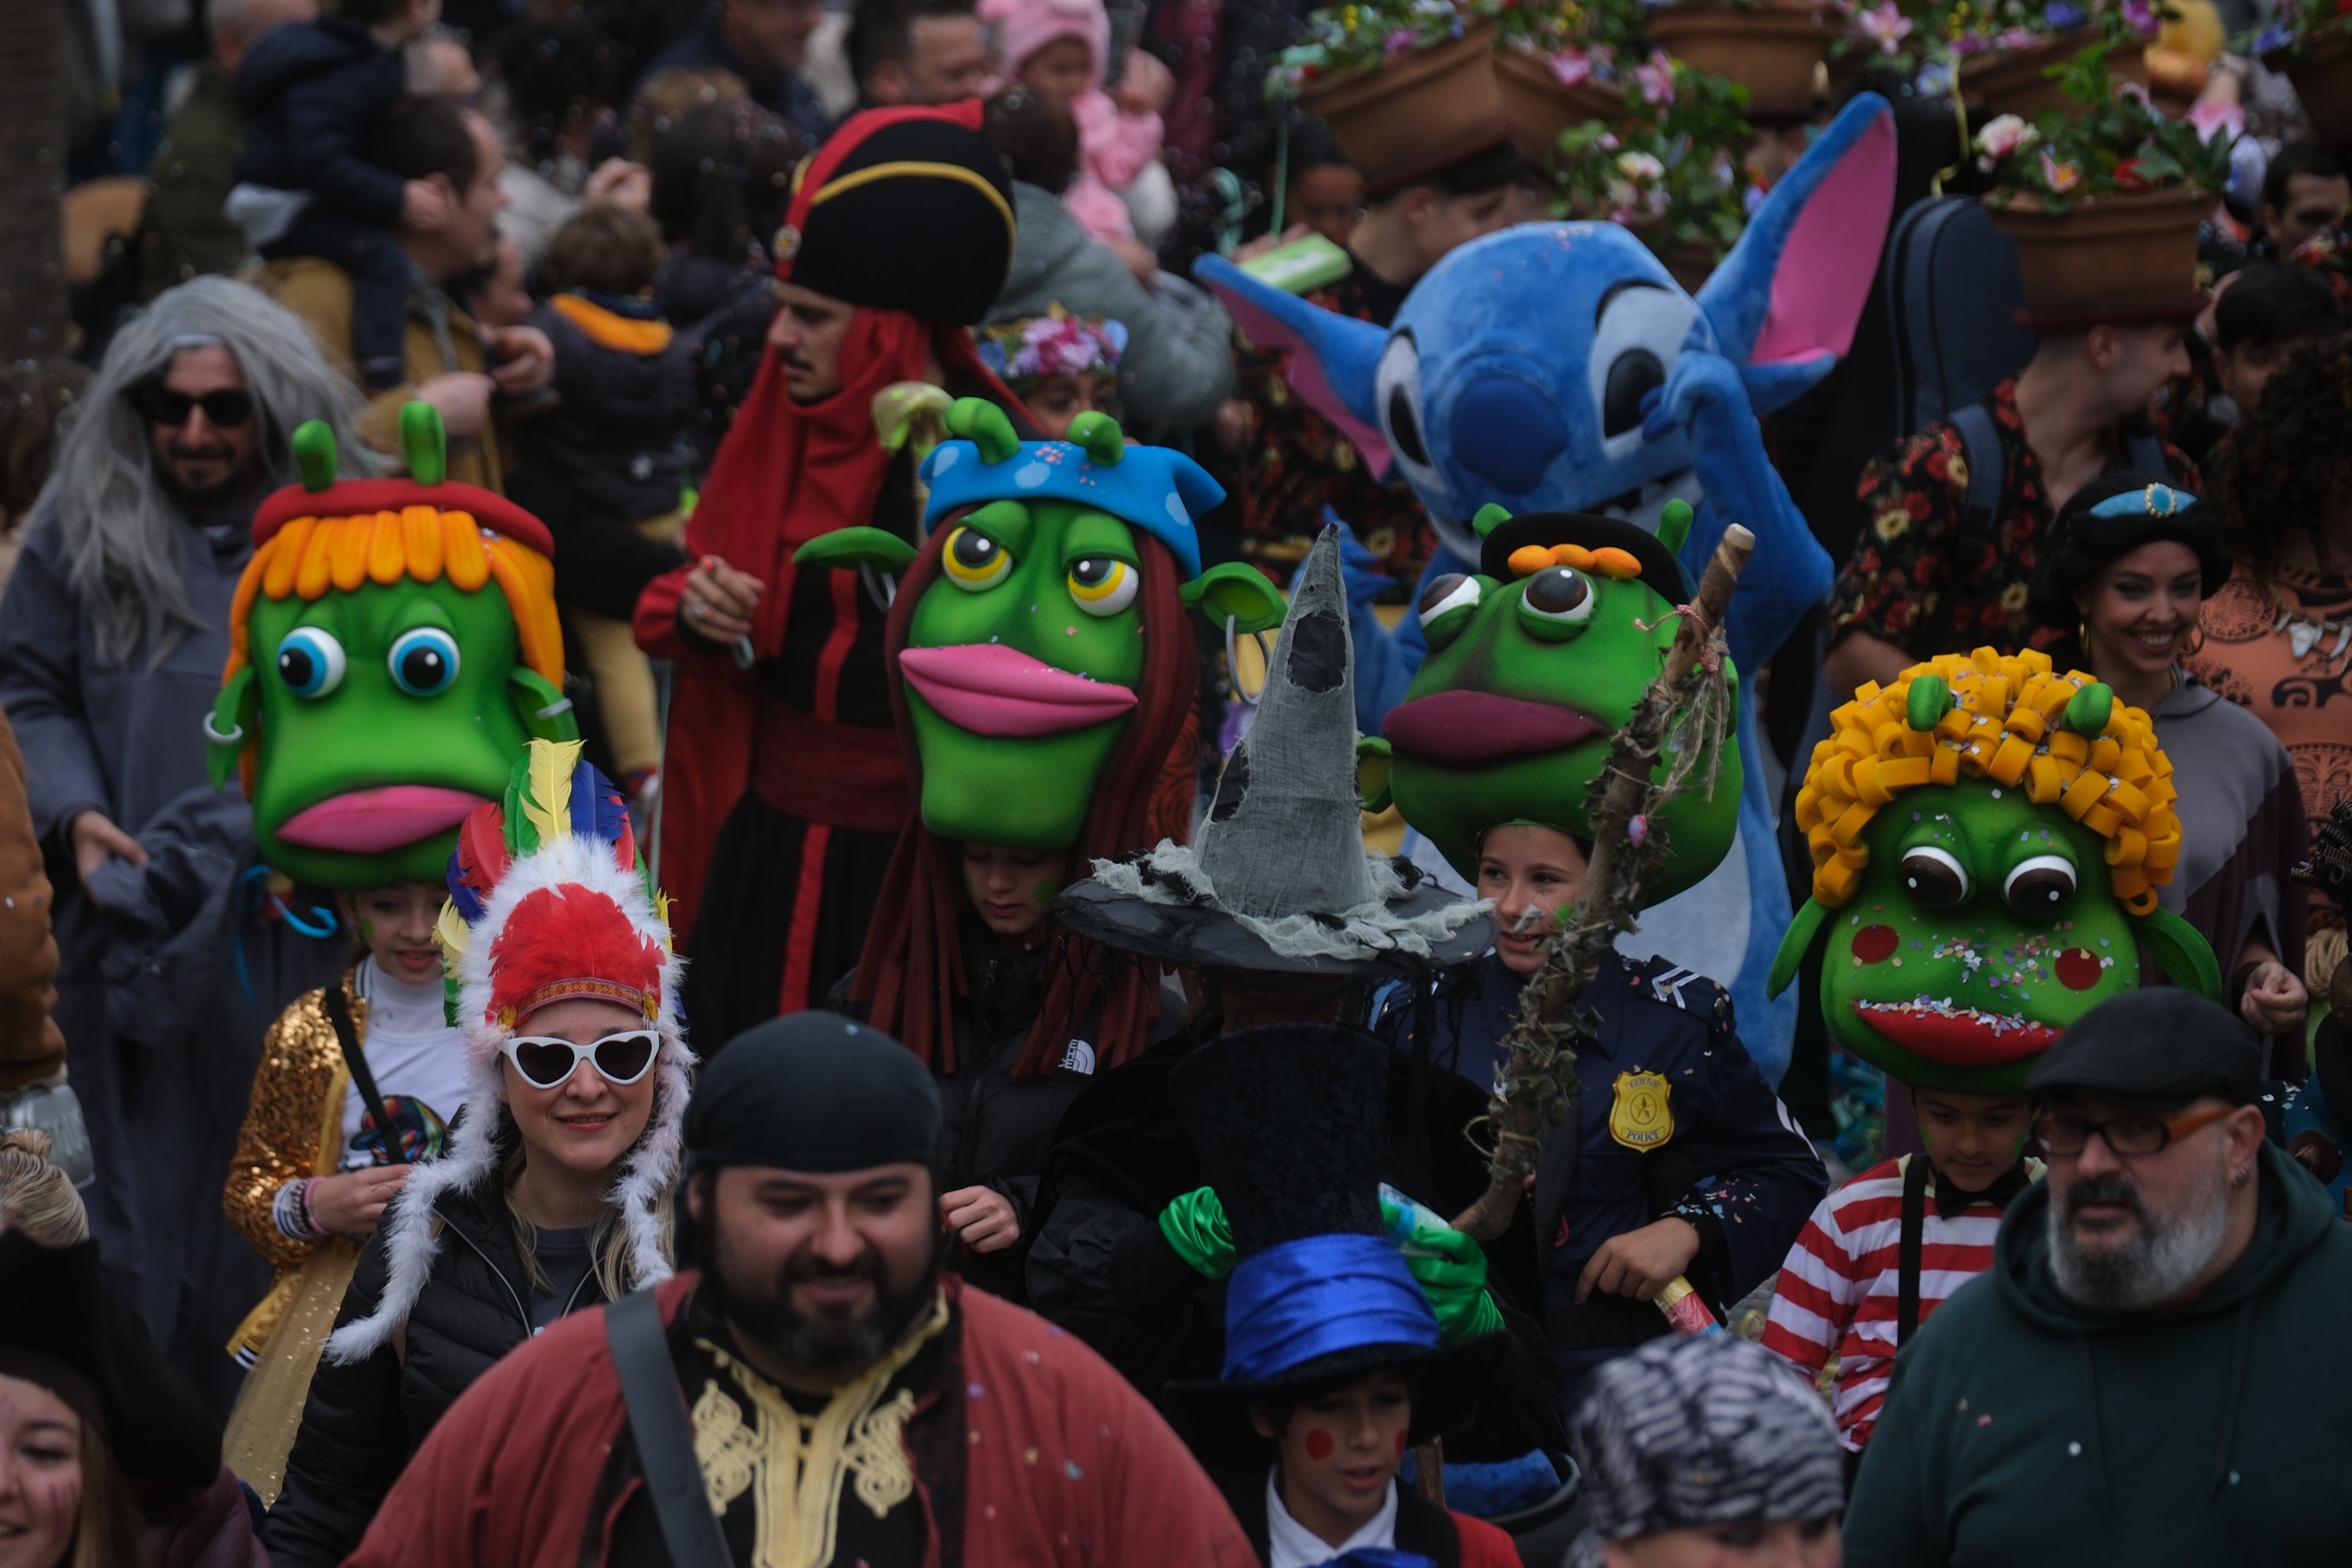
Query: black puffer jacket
x=365, y=1421
x=310, y=91
x=995, y=1129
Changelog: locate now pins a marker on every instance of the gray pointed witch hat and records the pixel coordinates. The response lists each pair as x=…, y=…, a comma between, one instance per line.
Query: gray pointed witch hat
x=1279, y=880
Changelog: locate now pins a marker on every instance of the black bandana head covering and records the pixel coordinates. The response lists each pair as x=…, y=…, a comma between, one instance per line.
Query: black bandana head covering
x=816, y=1092
x=1700, y=1431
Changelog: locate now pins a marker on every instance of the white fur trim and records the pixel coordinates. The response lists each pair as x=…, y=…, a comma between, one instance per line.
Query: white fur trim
x=642, y=1188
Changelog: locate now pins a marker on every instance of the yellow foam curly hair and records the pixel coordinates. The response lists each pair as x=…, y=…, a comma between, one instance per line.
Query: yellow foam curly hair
x=2005, y=719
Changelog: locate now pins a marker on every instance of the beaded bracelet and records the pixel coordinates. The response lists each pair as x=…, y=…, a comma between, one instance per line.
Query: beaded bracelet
x=290, y=1211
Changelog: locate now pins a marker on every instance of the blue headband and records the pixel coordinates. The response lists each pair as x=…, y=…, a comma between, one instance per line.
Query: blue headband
x=2156, y=500
x=1315, y=1297
x=1151, y=489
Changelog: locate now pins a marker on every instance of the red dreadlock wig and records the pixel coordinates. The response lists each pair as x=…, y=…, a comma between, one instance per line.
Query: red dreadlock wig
x=911, y=973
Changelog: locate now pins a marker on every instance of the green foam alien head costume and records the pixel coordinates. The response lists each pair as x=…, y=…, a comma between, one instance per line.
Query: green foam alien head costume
x=1987, y=836
x=393, y=649
x=1534, y=664
x=1047, y=605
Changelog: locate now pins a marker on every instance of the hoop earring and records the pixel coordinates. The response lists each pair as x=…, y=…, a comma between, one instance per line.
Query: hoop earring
x=2196, y=643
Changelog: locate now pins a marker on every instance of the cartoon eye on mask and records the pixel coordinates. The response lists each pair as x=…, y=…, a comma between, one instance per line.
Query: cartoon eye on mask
x=1556, y=604
x=1936, y=880
x=311, y=662
x=973, y=561
x=1103, y=585
x=2041, y=886
x=1447, y=605
x=1397, y=387
x=1637, y=337
x=425, y=662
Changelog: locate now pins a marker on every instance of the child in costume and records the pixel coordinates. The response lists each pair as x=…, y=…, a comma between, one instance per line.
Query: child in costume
x=1884, y=1250
x=1062, y=366
x=1557, y=367
x=1683, y=1163
x=1043, y=670
x=393, y=648
x=554, y=1191
x=314, y=1172
x=1334, y=1361
x=607, y=461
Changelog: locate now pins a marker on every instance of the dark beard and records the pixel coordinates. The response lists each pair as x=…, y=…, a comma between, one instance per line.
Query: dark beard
x=762, y=1312
x=195, y=501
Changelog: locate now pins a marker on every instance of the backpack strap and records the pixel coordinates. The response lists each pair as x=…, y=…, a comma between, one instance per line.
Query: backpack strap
x=1907, y=1249
x=338, y=1009
x=664, y=1433
x=1981, y=448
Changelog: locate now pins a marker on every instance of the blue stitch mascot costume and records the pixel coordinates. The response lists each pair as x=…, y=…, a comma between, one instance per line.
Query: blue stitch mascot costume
x=1557, y=367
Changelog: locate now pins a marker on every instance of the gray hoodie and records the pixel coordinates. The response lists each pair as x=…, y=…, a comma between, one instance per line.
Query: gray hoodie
x=1179, y=363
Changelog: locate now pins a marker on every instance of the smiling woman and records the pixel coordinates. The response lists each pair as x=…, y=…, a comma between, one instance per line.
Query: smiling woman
x=553, y=1192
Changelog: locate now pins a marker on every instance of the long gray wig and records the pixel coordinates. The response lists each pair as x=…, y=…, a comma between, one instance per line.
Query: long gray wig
x=122, y=535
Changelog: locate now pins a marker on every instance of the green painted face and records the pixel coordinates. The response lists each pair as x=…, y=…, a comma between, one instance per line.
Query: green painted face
x=1983, y=925
x=385, y=715
x=1511, y=715
x=1021, y=668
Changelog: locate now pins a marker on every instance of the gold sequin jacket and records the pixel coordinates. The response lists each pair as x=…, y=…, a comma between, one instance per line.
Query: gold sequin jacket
x=293, y=1124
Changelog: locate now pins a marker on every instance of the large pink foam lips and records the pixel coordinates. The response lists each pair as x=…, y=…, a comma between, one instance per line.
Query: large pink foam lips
x=1476, y=729
x=991, y=689
x=370, y=821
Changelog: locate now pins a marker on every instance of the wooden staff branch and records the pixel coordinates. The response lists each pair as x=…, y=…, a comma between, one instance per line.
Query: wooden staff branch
x=1539, y=1078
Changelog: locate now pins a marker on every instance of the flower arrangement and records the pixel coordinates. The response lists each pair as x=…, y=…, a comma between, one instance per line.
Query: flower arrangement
x=1056, y=343
x=1579, y=41
x=1899, y=36
x=1362, y=34
x=1668, y=171
x=2003, y=27
x=2116, y=143
x=2300, y=24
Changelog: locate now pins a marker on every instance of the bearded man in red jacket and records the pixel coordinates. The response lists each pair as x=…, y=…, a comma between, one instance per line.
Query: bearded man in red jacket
x=818, y=1393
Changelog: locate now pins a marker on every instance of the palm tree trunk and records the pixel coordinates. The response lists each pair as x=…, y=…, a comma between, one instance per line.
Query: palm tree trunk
x=32, y=155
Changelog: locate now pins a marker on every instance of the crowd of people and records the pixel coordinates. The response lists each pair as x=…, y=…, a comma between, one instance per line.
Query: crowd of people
x=910, y=783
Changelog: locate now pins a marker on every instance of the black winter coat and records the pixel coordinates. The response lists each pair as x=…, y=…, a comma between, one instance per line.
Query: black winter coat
x=610, y=453
x=730, y=305
x=364, y=1422
x=995, y=1129
x=309, y=92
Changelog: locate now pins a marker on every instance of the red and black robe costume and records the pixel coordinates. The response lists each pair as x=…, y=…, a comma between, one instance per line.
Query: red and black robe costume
x=783, y=784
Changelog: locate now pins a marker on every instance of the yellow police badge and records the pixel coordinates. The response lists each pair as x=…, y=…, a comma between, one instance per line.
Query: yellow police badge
x=1642, y=1117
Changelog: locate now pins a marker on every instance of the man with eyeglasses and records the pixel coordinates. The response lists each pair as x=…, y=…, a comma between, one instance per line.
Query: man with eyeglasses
x=2155, y=1370
x=112, y=635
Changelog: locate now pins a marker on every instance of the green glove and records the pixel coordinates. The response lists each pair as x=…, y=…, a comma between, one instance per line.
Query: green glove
x=1452, y=1271
x=1196, y=1227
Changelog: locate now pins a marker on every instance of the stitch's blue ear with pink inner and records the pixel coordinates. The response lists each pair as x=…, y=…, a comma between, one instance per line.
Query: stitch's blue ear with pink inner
x=1785, y=303
x=1335, y=360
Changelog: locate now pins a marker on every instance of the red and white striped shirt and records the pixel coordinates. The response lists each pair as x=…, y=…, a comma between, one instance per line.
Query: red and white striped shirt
x=1841, y=1286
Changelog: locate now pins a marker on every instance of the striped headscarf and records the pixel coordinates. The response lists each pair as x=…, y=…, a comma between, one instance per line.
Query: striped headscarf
x=1701, y=1431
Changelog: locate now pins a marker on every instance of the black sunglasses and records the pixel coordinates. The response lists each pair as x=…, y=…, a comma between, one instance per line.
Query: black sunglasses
x=229, y=407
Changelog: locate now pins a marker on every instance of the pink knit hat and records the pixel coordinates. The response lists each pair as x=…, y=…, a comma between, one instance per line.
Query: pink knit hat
x=1024, y=26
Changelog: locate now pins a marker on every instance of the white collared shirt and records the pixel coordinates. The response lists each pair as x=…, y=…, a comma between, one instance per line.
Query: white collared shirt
x=1290, y=1544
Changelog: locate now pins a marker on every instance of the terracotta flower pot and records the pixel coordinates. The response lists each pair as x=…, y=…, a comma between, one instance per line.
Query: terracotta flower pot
x=1415, y=113
x=1541, y=106
x=2323, y=79
x=2114, y=259
x=1774, y=51
x=2012, y=82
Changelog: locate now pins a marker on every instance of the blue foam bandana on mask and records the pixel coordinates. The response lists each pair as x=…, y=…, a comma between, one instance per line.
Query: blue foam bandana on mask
x=1151, y=489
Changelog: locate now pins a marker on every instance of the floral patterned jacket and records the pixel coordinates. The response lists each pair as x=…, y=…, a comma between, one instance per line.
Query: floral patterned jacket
x=1916, y=580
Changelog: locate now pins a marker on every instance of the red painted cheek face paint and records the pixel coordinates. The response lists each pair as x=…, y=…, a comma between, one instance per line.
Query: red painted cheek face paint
x=1319, y=1444
x=1399, y=1445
